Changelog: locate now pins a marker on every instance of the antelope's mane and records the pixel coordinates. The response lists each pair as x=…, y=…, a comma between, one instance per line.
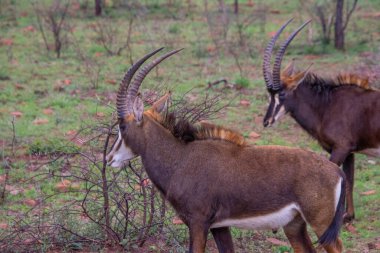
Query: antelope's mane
x=187, y=132
x=324, y=86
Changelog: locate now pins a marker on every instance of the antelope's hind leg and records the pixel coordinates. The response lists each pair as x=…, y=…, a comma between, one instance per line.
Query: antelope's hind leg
x=223, y=239
x=348, y=168
x=296, y=232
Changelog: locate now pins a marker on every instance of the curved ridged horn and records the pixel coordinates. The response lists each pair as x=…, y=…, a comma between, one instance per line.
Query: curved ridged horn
x=267, y=72
x=121, y=104
x=135, y=85
x=280, y=55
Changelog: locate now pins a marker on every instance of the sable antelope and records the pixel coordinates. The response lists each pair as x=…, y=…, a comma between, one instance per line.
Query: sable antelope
x=214, y=180
x=342, y=114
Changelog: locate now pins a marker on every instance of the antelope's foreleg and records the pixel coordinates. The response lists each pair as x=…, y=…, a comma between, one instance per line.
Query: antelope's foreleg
x=198, y=237
x=348, y=168
x=223, y=239
x=296, y=232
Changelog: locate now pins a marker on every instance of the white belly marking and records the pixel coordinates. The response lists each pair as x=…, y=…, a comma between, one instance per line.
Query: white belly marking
x=371, y=152
x=273, y=220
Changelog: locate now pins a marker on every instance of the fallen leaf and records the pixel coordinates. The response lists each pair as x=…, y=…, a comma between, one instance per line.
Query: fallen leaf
x=98, y=54
x=67, y=81
x=47, y=111
x=16, y=114
x=177, y=221
x=3, y=178
x=367, y=193
x=30, y=202
x=275, y=11
x=145, y=182
x=71, y=132
x=111, y=81
x=271, y=34
x=276, y=241
x=100, y=114
x=40, y=121
x=254, y=135
x=7, y=42
x=3, y=225
x=29, y=28
x=13, y=190
x=244, y=102
x=350, y=228
x=78, y=141
x=63, y=186
x=18, y=86
x=211, y=48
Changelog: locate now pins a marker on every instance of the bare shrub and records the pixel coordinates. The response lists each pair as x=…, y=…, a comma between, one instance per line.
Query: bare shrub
x=51, y=20
x=92, y=66
x=114, y=37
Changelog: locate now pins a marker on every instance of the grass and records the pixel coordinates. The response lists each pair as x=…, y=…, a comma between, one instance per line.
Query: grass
x=32, y=80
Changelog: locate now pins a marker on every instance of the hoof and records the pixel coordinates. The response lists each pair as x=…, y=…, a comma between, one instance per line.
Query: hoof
x=348, y=218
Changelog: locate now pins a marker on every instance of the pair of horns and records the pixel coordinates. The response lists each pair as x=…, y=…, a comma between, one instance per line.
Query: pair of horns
x=273, y=80
x=127, y=90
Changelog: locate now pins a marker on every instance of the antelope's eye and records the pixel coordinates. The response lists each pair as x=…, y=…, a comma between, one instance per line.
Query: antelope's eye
x=122, y=127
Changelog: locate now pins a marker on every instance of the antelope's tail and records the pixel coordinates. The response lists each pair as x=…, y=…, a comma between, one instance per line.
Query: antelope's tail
x=332, y=232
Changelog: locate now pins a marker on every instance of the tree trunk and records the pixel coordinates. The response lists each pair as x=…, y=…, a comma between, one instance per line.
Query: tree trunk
x=339, y=28
x=98, y=7
x=236, y=6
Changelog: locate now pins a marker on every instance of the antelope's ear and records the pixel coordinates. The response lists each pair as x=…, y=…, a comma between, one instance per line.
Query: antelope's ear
x=289, y=70
x=138, y=109
x=296, y=79
x=163, y=103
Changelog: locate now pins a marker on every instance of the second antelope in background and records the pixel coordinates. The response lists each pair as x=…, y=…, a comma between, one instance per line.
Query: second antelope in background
x=343, y=115
x=214, y=180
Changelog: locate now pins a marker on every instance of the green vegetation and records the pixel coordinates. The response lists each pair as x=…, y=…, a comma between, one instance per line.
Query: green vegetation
x=62, y=106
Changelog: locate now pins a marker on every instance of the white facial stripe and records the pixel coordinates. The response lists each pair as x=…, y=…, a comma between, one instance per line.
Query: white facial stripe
x=273, y=220
x=280, y=113
x=277, y=113
x=119, y=154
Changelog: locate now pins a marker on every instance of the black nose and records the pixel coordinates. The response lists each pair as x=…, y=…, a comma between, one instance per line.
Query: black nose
x=266, y=123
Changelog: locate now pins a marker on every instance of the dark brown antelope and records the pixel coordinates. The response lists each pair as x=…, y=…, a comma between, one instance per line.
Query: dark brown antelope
x=214, y=180
x=342, y=114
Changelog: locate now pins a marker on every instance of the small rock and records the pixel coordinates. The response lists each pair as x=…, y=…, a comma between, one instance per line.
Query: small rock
x=372, y=162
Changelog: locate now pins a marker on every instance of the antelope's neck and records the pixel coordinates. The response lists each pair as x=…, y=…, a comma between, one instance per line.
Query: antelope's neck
x=162, y=153
x=307, y=109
